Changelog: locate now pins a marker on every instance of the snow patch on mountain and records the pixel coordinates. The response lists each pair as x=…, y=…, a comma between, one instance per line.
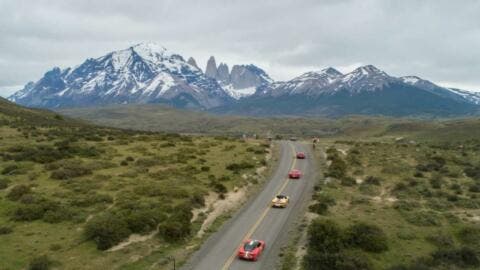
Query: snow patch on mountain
x=239, y=93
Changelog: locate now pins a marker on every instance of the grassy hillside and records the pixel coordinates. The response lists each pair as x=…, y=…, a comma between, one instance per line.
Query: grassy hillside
x=393, y=203
x=77, y=196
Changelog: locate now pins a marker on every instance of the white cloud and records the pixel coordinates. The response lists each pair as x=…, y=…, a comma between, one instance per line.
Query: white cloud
x=435, y=39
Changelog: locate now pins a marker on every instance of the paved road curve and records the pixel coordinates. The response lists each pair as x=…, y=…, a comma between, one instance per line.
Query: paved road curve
x=257, y=220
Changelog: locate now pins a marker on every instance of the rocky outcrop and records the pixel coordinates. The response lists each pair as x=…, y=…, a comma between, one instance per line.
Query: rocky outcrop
x=191, y=61
x=211, y=69
x=245, y=76
x=223, y=75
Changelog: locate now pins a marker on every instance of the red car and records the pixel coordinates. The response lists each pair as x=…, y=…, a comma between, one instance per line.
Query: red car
x=295, y=174
x=300, y=155
x=251, y=250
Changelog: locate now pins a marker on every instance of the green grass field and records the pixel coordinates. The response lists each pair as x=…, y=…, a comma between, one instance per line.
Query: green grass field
x=72, y=191
x=422, y=191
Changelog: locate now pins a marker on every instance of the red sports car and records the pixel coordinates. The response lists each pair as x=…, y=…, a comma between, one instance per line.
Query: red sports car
x=295, y=174
x=251, y=250
x=300, y=155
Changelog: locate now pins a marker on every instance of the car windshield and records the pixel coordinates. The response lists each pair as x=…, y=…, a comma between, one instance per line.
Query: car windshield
x=281, y=196
x=249, y=246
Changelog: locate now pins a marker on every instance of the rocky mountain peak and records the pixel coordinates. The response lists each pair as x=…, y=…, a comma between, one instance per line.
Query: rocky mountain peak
x=144, y=73
x=211, y=69
x=331, y=71
x=191, y=61
x=223, y=74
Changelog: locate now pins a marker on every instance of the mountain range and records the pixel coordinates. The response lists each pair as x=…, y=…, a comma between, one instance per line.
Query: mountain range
x=149, y=73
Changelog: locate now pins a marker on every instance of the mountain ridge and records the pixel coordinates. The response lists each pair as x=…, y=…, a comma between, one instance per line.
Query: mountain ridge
x=149, y=73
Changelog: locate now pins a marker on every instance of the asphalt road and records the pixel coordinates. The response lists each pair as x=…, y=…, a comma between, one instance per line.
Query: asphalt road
x=257, y=220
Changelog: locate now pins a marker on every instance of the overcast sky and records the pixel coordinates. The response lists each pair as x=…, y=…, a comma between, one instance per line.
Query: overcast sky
x=436, y=40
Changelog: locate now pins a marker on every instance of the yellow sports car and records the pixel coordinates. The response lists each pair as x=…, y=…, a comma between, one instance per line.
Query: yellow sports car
x=280, y=201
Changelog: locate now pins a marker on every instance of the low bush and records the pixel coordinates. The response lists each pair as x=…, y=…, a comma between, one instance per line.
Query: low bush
x=373, y=180
x=473, y=172
x=422, y=218
x=70, y=170
x=40, y=263
x=17, y=192
x=337, y=169
x=473, y=188
x=441, y=240
x=219, y=188
x=5, y=230
x=327, y=249
x=106, y=230
x=462, y=257
x=319, y=208
x=58, y=214
x=470, y=235
x=197, y=200
x=144, y=220
x=10, y=169
x=4, y=183
x=367, y=237
x=348, y=181
x=237, y=167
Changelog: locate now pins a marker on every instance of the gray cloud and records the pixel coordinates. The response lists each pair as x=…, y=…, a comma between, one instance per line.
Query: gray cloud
x=434, y=39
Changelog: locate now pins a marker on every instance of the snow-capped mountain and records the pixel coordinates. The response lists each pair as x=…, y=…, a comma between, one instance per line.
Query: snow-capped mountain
x=144, y=73
x=473, y=97
x=365, y=90
x=310, y=83
x=148, y=73
x=241, y=82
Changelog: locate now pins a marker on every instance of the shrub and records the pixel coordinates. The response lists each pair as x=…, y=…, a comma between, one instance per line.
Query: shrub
x=319, y=208
x=463, y=257
x=325, y=236
x=418, y=174
x=472, y=172
x=237, y=167
x=3, y=183
x=5, y=230
x=219, y=188
x=70, y=170
x=373, y=180
x=338, y=168
x=348, y=181
x=406, y=205
x=367, y=237
x=57, y=215
x=17, y=192
x=40, y=263
x=205, y=168
x=106, y=230
x=423, y=218
x=28, y=212
x=143, y=221
x=197, y=200
x=441, y=240
x=436, y=182
x=326, y=249
x=173, y=231
x=10, y=169
x=123, y=163
x=470, y=235
x=473, y=188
